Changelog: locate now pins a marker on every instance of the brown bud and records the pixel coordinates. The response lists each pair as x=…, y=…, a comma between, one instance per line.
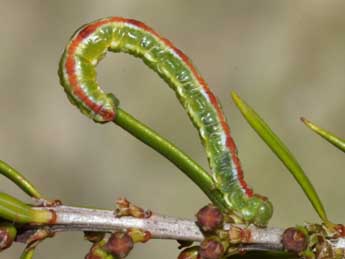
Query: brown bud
x=93, y=237
x=294, y=240
x=126, y=208
x=7, y=235
x=340, y=230
x=119, y=244
x=122, y=207
x=209, y=218
x=211, y=249
x=189, y=253
x=235, y=235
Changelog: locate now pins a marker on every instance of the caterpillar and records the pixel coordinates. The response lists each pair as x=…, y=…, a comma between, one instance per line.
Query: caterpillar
x=88, y=46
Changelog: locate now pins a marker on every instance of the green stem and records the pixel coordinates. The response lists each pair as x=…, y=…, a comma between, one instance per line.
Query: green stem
x=151, y=138
x=28, y=253
x=16, y=211
x=19, y=180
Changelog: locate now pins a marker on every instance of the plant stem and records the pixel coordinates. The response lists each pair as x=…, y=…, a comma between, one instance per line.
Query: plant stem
x=28, y=253
x=188, y=166
x=161, y=227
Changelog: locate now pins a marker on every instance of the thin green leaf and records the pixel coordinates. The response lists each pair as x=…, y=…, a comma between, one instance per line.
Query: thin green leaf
x=282, y=152
x=330, y=137
x=19, y=180
x=16, y=211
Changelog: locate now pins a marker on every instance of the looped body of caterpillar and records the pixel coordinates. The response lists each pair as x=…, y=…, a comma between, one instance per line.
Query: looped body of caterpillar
x=77, y=73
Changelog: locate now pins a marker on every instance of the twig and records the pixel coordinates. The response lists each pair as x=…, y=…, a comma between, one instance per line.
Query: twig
x=161, y=227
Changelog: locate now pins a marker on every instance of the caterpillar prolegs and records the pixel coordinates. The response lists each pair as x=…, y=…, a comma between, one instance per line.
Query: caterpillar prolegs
x=89, y=45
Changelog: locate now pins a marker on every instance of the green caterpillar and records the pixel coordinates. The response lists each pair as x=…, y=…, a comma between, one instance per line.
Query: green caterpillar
x=78, y=76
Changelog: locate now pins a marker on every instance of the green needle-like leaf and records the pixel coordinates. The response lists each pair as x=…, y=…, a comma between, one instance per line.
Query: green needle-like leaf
x=282, y=152
x=16, y=211
x=19, y=180
x=330, y=137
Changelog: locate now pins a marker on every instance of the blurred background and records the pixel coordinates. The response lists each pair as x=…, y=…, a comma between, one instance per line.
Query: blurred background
x=285, y=58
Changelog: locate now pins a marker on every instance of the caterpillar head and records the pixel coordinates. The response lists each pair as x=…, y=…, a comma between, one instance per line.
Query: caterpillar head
x=108, y=111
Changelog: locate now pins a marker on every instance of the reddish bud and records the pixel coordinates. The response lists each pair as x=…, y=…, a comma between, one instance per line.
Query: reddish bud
x=294, y=240
x=189, y=253
x=340, y=230
x=209, y=218
x=7, y=235
x=211, y=249
x=119, y=244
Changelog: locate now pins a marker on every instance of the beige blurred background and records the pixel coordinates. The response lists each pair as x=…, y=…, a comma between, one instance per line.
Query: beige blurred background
x=286, y=58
